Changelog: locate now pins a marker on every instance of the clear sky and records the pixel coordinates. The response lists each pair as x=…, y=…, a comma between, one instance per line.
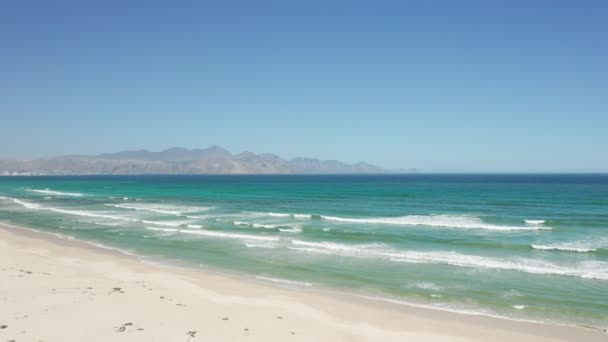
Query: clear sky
x=443, y=86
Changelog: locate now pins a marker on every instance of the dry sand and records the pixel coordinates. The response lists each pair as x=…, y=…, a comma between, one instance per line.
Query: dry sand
x=53, y=289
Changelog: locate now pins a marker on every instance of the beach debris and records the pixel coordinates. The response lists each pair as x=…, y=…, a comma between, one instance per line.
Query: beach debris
x=3, y=326
x=116, y=289
x=124, y=327
x=180, y=304
x=191, y=334
x=293, y=333
x=224, y=318
x=279, y=317
x=246, y=331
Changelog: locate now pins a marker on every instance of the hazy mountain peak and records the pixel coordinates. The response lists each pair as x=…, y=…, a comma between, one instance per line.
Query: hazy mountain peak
x=179, y=160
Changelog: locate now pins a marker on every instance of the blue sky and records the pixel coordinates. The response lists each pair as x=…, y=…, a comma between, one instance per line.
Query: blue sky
x=443, y=86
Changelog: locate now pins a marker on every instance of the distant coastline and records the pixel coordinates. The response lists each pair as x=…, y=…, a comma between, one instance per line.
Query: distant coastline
x=177, y=160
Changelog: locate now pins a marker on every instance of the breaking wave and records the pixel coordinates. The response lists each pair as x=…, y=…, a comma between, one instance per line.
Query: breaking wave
x=84, y=213
x=442, y=221
x=161, y=208
x=57, y=193
x=566, y=247
x=534, y=222
x=299, y=216
x=285, y=281
x=588, y=269
x=216, y=234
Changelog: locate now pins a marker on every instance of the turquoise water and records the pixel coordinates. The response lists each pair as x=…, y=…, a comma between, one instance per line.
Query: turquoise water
x=521, y=246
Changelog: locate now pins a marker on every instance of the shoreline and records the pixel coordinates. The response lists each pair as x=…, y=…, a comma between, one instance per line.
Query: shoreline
x=320, y=289
x=317, y=313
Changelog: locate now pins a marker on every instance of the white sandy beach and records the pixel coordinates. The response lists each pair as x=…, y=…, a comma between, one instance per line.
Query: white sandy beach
x=53, y=289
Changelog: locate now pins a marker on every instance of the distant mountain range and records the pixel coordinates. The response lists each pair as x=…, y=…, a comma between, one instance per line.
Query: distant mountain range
x=177, y=160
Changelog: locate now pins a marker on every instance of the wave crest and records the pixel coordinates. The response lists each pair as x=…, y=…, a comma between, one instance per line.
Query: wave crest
x=442, y=221
x=57, y=193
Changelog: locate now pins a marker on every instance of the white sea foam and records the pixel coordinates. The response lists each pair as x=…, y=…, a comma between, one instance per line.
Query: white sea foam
x=331, y=247
x=57, y=193
x=197, y=217
x=103, y=223
x=20, y=202
x=84, y=213
x=194, y=226
x=442, y=221
x=255, y=225
x=426, y=286
x=262, y=225
x=87, y=214
x=588, y=269
x=166, y=209
x=260, y=245
x=534, y=222
x=519, y=307
x=229, y=235
x=217, y=234
x=166, y=230
x=279, y=214
x=512, y=293
x=285, y=281
x=166, y=223
x=579, y=247
x=102, y=246
x=294, y=229
x=298, y=216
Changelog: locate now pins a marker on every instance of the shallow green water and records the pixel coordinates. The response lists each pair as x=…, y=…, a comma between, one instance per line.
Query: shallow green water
x=521, y=246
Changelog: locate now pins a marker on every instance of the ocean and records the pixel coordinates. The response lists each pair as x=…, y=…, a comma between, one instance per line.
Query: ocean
x=529, y=247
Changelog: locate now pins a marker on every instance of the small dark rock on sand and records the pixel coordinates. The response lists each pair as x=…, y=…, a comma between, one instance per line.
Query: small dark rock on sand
x=117, y=289
x=3, y=326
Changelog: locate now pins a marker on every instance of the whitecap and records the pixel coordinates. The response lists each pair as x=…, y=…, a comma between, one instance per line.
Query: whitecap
x=566, y=247
x=279, y=214
x=166, y=230
x=285, y=281
x=587, y=269
x=534, y=222
x=57, y=193
x=166, y=223
x=426, y=286
x=260, y=245
x=294, y=229
x=262, y=225
x=442, y=221
x=255, y=225
x=166, y=209
x=228, y=235
x=298, y=216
